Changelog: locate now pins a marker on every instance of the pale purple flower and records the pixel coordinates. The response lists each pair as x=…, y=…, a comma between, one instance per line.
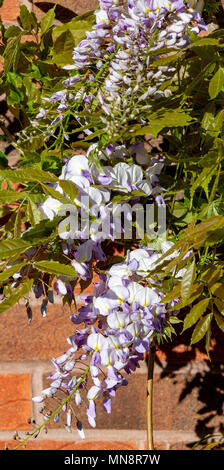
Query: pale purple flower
x=107, y=404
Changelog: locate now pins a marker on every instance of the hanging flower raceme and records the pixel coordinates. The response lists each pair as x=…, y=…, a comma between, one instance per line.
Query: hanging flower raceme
x=120, y=321
x=126, y=38
x=128, y=31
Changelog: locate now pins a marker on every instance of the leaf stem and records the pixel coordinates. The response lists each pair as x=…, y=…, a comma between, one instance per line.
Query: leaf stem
x=57, y=411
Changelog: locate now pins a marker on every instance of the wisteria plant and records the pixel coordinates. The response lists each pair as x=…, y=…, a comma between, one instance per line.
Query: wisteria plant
x=122, y=146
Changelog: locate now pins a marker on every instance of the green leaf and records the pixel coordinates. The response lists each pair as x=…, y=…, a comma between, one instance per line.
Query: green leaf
x=42, y=231
x=25, y=17
x=120, y=197
x=69, y=188
x=14, y=298
x=219, y=118
x=31, y=90
x=213, y=125
x=203, y=179
x=208, y=118
x=10, y=271
x=47, y=21
x=77, y=26
x=34, y=22
x=218, y=290
x=12, y=31
x=34, y=213
x=3, y=160
x=216, y=83
x=10, y=248
x=173, y=294
x=196, y=312
x=154, y=128
x=12, y=54
x=187, y=281
x=171, y=118
x=168, y=330
x=172, y=57
x=220, y=321
x=6, y=197
x=175, y=320
x=54, y=267
x=28, y=176
x=220, y=305
x=55, y=194
x=211, y=446
x=38, y=198
x=201, y=328
x=17, y=225
x=63, y=48
x=201, y=42
x=208, y=341
x=211, y=275
x=195, y=82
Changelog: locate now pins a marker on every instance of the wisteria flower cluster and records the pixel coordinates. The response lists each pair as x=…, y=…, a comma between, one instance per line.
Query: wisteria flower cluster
x=128, y=36
x=119, y=319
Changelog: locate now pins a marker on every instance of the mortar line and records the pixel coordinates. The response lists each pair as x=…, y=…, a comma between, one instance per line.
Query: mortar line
x=194, y=367
x=110, y=435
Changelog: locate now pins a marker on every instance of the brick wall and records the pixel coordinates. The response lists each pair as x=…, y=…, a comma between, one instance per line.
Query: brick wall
x=188, y=389
x=65, y=10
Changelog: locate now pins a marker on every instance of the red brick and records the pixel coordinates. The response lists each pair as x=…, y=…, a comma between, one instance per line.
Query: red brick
x=179, y=350
x=66, y=9
x=46, y=337
x=180, y=403
x=85, y=445
x=84, y=289
x=181, y=445
x=157, y=446
x=15, y=401
x=10, y=10
x=41, y=340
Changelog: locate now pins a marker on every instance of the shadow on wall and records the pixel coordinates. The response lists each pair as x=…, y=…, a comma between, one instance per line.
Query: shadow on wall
x=65, y=9
x=72, y=8
x=9, y=126
x=62, y=13
x=206, y=384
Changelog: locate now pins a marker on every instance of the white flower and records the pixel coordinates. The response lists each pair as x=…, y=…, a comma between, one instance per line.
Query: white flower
x=149, y=297
x=144, y=296
x=105, y=304
x=97, y=341
x=74, y=167
x=135, y=290
x=121, y=270
x=50, y=208
x=102, y=16
x=145, y=261
x=94, y=392
x=117, y=320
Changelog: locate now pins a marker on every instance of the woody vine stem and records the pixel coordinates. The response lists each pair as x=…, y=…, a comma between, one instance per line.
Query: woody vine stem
x=151, y=361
